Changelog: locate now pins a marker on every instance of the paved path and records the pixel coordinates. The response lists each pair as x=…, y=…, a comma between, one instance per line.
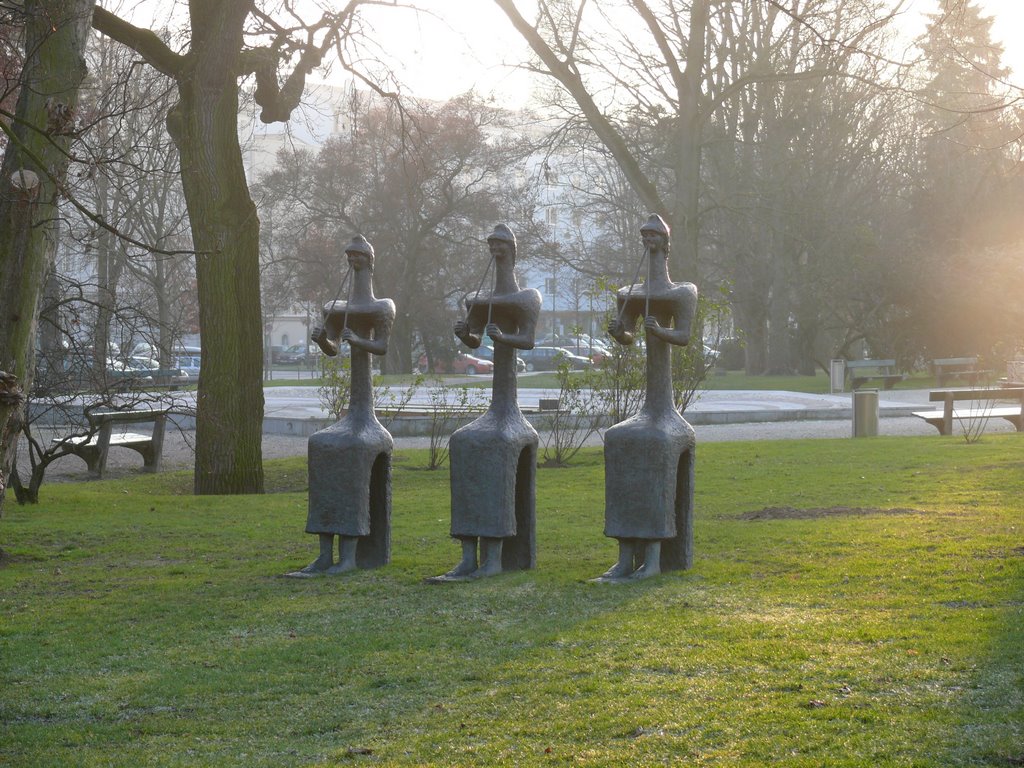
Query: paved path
x=719, y=415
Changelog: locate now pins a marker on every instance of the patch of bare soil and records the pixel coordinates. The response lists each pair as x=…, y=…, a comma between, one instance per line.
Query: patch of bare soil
x=792, y=513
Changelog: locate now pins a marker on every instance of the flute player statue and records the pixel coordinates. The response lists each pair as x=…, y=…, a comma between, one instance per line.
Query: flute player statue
x=649, y=458
x=494, y=459
x=350, y=461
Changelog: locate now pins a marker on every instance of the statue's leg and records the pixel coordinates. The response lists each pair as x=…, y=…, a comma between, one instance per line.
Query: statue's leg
x=624, y=566
x=323, y=562
x=346, y=555
x=490, y=551
x=652, y=560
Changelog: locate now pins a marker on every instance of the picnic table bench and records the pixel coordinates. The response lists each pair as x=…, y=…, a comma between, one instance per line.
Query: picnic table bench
x=985, y=408
x=958, y=367
x=93, y=448
x=862, y=371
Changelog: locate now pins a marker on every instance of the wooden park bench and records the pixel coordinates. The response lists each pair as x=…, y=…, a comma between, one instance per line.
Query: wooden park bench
x=984, y=407
x=860, y=372
x=94, y=448
x=958, y=367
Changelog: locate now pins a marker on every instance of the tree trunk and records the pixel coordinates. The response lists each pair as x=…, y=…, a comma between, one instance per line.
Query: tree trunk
x=55, y=33
x=225, y=233
x=685, y=263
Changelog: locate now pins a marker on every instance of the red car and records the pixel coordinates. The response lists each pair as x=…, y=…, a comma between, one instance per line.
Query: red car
x=460, y=363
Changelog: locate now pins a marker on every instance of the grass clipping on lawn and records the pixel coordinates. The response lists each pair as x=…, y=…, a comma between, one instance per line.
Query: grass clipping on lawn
x=853, y=602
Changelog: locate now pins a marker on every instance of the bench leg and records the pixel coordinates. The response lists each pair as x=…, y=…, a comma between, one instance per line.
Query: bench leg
x=947, y=416
x=152, y=462
x=102, y=449
x=91, y=456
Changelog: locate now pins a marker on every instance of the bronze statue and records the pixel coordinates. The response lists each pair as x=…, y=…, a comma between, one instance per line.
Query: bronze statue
x=494, y=459
x=350, y=461
x=649, y=458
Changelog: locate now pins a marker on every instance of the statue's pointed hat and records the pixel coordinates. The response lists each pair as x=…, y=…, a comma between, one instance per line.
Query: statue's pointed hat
x=502, y=232
x=359, y=244
x=656, y=224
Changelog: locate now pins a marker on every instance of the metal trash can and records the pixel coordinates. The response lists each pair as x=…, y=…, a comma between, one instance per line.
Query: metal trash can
x=865, y=413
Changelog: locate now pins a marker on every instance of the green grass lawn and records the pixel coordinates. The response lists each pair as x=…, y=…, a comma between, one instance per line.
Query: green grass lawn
x=853, y=603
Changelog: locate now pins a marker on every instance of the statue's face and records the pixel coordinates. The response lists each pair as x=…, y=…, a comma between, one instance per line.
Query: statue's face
x=358, y=261
x=652, y=240
x=500, y=249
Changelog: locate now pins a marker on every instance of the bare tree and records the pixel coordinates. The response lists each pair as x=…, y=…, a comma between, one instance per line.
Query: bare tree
x=666, y=84
x=221, y=47
x=55, y=33
x=424, y=183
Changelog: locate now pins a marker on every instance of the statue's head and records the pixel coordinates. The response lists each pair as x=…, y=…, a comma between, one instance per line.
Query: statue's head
x=655, y=232
x=502, y=234
x=360, y=245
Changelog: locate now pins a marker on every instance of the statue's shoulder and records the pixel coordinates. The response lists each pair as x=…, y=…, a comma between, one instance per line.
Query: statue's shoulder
x=630, y=291
x=530, y=297
x=385, y=307
x=684, y=291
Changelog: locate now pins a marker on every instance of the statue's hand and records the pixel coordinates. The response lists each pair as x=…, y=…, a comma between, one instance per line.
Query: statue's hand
x=461, y=328
x=494, y=332
x=319, y=337
x=653, y=327
x=615, y=328
x=347, y=334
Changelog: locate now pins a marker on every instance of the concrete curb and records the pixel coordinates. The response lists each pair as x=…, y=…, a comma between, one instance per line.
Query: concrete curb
x=420, y=426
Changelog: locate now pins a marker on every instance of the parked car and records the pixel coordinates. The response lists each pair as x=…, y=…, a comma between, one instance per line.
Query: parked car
x=189, y=364
x=549, y=358
x=487, y=353
x=299, y=354
x=583, y=346
x=595, y=354
x=173, y=376
x=127, y=374
x=470, y=365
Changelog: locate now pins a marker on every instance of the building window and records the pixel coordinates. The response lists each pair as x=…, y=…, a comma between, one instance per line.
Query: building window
x=551, y=216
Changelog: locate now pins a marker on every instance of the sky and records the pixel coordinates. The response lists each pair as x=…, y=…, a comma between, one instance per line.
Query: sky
x=476, y=46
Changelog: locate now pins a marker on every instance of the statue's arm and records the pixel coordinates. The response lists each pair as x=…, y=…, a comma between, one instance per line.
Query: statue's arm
x=683, y=312
x=328, y=333
x=378, y=344
x=465, y=335
x=617, y=329
x=525, y=335
x=469, y=330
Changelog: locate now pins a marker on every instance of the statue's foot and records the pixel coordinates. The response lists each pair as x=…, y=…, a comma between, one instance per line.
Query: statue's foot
x=343, y=566
x=461, y=572
x=617, y=574
x=316, y=568
x=485, y=570
x=645, y=571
